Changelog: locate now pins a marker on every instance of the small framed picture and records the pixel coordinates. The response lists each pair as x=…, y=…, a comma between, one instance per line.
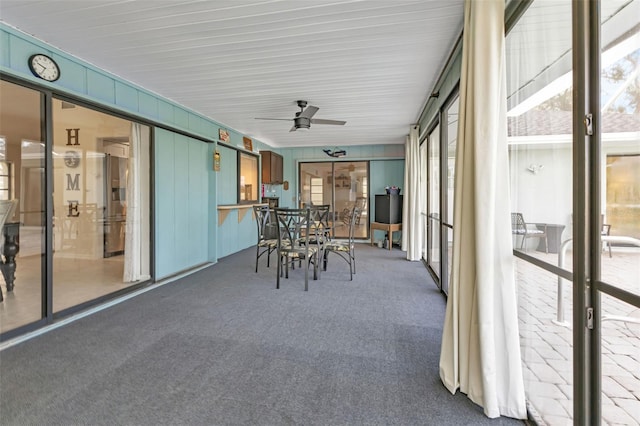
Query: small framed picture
x=223, y=135
x=248, y=143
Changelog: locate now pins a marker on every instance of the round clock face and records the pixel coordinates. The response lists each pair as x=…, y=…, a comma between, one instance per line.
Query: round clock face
x=71, y=159
x=44, y=67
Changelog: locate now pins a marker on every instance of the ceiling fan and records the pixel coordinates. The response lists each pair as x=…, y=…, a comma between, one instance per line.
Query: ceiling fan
x=303, y=118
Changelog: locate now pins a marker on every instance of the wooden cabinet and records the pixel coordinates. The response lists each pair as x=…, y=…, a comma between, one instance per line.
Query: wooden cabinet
x=271, y=167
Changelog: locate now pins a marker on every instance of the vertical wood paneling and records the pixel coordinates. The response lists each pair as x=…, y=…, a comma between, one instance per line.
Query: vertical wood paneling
x=180, y=117
x=197, y=210
x=101, y=87
x=164, y=205
x=126, y=96
x=147, y=105
x=4, y=49
x=181, y=200
x=74, y=76
x=227, y=176
x=182, y=211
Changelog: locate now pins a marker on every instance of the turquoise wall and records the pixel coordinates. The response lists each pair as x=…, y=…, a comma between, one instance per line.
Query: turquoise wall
x=292, y=156
x=383, y=174
x=238, y=230
x=183, y=213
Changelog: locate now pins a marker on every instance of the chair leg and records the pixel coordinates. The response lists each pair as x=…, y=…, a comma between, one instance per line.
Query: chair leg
x=306, y=278
x=287, y=267
x=353, y=259
x=257, y=256
x=546, y=244
x=522, y=243
x=609, y=244
x=316, y=268
x=279, y=271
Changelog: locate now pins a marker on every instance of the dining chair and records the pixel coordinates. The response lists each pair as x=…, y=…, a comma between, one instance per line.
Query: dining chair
x=528, y=230
x=345, y=249
x=267, y=234
x=295, y=226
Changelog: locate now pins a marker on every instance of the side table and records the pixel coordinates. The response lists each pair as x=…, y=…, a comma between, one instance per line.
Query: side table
x=390, y=228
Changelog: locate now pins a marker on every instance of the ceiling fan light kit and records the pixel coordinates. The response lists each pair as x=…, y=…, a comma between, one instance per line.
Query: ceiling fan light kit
x=303, y=118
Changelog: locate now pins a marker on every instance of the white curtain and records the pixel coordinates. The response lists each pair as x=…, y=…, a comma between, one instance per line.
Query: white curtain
x=411, y=220
x=480, y=352
x=134, y=267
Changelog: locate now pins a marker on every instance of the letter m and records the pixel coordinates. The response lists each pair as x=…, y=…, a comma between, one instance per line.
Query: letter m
x=73, y=184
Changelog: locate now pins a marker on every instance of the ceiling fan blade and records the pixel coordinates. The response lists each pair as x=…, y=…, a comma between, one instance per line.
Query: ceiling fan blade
x=309, y=111
x=279, y=119
x=293, y=129
x=322, y=121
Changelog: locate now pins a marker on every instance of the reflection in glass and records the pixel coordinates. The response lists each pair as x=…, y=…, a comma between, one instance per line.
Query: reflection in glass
x=424, y=217
x=22, y=180
x=101, y=204
x=248, y=177
x=434, y=200
x=620, y=148
x=342, y=185
x=539, y=119
x=452, y=142
x=540, y=128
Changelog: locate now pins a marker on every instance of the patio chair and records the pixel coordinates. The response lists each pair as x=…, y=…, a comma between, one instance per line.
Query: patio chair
x=295, y=226
x=345, y=249
x=267, y=234
x=528, y=230
x=605, y=230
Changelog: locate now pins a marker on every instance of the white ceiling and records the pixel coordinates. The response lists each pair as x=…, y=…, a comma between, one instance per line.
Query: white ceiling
x=371, y=63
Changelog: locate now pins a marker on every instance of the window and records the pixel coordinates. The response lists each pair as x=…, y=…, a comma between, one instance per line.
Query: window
x=316, y=191
x=248, y=178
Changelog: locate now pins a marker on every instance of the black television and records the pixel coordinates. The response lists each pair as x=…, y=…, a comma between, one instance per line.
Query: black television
x=388, y=208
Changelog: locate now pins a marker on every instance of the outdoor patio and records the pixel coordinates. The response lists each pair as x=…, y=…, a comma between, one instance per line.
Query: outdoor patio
x=546, y=343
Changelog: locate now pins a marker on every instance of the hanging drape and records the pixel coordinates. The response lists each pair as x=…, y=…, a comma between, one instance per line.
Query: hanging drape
x=480, y=345
x=134, y=268
x=411, y=221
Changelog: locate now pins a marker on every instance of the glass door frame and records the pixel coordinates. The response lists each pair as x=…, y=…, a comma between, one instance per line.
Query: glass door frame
x=444, y=189
x=47, y=314
x=431, y=231
x=442, y=280
x=588, y=287
x=588, y=182
x=333, y=188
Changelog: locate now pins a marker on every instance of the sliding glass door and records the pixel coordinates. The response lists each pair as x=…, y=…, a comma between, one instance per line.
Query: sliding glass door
x=340, y=184
x=433, y=203
x=573, y=144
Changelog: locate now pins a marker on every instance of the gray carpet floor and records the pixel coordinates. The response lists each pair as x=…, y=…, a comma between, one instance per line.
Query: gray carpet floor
x=224, y=347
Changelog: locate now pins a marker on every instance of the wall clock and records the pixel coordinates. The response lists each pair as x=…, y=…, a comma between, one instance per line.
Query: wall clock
x=72, y=159
x=44, y=67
